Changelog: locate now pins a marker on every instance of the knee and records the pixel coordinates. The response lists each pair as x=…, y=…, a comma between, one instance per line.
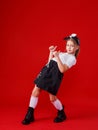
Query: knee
x=52, y=98
x=36, y=91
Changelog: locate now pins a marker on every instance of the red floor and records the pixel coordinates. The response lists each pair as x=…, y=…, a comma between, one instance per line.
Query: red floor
x=10, y=119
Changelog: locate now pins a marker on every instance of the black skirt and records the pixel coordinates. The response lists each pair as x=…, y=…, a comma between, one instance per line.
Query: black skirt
x=49, y=78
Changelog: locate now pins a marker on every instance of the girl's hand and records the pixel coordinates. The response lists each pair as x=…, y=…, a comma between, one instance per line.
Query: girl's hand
x=56, y=53
x=52, y=48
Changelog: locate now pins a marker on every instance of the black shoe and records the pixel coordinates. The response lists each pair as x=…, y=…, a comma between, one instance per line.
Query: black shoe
x=29, y=116
x=61, y=116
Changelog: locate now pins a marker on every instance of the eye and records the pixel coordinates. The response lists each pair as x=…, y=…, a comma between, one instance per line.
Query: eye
x=72, y=45
x=67, y=44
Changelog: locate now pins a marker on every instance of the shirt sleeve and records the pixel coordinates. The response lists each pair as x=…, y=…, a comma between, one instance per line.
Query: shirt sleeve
x=70, y=62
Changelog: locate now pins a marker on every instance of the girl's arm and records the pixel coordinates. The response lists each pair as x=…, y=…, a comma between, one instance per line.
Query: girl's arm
x=51, y=49
x=62, y=67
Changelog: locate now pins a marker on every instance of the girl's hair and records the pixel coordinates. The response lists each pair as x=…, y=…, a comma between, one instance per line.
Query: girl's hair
x=77, y=52
x=73, y=37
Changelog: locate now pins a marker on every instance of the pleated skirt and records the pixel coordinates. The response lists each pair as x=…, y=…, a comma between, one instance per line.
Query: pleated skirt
x=49, y=78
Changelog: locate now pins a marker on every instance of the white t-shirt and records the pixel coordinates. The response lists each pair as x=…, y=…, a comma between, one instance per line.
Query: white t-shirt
x=67, y=59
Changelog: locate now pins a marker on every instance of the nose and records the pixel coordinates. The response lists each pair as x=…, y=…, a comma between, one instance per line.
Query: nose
x=69, y=47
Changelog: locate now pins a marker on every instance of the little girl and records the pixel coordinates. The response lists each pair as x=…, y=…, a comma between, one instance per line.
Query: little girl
x=51, y=75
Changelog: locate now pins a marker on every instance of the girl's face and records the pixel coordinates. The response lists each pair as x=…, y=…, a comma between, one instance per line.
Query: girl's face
x=71, y=47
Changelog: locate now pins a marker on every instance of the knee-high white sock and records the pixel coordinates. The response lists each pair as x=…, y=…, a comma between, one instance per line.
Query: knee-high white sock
x=33, y=101
x=58, y=105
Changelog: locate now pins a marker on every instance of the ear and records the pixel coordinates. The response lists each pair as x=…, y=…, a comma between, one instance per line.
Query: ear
x=77, y=47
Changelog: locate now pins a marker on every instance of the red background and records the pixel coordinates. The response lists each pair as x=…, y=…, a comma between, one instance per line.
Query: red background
x=27, y=29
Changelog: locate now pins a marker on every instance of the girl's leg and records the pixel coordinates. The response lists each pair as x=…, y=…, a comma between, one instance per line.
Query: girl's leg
x=56, y=102
x=58, y=105
x=34, y=97
x=32, y=105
